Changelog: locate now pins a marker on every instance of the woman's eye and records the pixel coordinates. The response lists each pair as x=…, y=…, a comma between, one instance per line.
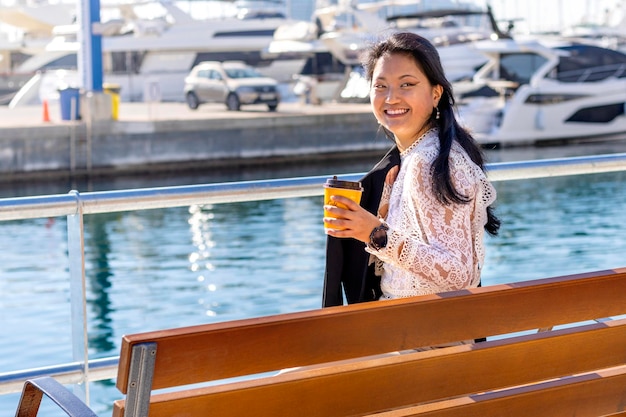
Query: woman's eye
x=407, y=85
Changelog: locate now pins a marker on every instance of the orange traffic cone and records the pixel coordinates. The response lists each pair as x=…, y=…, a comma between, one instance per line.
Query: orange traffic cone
x=46, y=113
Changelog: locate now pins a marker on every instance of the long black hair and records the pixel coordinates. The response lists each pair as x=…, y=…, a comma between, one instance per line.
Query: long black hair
x=427, y=58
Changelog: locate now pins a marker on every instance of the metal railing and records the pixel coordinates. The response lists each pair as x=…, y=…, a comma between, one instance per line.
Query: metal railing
x=75, y=205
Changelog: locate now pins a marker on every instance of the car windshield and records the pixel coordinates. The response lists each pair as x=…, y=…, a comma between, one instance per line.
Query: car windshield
x=242, y=73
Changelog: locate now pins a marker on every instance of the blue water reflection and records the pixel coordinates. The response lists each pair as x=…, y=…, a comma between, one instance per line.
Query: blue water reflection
x=556, y=226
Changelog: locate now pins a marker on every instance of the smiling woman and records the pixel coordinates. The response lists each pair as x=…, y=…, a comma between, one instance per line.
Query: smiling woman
x=419, y=229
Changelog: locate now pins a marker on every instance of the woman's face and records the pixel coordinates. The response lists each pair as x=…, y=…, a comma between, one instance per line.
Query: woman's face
x=402, y=98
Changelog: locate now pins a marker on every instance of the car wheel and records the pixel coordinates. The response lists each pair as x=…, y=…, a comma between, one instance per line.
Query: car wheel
x=232, y=102
x=272, y=106
x=192, y=100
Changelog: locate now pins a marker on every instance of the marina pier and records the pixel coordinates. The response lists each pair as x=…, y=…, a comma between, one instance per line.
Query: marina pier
x=151, y=137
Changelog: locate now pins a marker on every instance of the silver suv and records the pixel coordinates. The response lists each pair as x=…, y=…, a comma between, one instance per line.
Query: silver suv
x=231, y=83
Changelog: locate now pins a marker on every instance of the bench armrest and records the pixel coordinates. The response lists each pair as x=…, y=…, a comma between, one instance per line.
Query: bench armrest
x=32, y=394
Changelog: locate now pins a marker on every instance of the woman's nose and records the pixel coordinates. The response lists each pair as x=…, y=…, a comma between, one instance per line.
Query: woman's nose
x=391, y=96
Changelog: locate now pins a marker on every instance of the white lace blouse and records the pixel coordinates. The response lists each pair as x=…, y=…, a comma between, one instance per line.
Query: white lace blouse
x=432, y=247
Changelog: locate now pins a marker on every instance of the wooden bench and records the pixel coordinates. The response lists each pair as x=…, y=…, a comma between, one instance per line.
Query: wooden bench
x=345, y=365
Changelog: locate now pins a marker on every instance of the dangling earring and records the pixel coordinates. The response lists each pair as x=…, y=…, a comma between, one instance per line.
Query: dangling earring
x=438, y=114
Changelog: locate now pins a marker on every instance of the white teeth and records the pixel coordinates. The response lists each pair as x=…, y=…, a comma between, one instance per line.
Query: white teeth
x=394, y=112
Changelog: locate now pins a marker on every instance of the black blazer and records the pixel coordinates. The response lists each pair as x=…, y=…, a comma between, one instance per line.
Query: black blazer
x=346, y=259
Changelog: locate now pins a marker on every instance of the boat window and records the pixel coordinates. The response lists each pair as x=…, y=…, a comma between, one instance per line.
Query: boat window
x=248, y=14
x=587, y=63
x=68, y=61
x=245, y=33
x=321, y=64
x=520, y=67
x=252, y=58
x=17, y=58
x=126, y=62
x=598, y=114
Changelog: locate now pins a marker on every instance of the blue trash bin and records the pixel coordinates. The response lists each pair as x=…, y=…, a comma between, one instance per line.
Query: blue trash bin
x=69, y=98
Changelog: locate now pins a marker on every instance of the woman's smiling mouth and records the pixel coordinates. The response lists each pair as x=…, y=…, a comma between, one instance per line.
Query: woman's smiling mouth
x=396, y=112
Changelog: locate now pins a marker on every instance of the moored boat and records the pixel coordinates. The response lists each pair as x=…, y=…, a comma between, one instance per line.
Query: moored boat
x=347, y=28
x=152, y=50
x=531, y=91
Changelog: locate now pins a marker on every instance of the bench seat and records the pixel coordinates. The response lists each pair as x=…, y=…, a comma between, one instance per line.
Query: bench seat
x=360, y=359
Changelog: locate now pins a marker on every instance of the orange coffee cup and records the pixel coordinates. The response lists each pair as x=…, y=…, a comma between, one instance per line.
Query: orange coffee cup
x=349, y=189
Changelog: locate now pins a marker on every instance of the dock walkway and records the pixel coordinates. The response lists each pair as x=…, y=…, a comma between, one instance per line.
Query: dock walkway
x=32, y=116
x=157, y=136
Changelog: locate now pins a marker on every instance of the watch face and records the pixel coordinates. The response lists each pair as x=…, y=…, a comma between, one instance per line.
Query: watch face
x=380, y=241
x=378, y=237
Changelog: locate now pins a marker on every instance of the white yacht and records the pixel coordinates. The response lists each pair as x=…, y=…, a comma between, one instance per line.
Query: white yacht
x=343, y=29
x=152, y=54
x=451, y=30
x=25, y=30
x=530, y=92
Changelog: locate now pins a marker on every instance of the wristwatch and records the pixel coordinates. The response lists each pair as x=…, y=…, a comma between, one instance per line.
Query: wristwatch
x=378, y=237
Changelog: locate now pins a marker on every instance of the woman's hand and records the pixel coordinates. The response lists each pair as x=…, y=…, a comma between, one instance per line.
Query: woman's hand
x=353, y=221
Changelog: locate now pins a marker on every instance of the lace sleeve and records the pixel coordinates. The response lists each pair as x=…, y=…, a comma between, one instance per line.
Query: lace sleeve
x=431, y=242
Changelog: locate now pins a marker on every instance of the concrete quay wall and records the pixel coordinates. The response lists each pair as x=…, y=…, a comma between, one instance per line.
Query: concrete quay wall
x=169, y=136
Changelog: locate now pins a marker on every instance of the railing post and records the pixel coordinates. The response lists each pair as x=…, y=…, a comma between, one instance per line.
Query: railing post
x=78, y=294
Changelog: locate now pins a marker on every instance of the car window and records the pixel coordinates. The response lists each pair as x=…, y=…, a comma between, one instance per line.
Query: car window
x=203, y=74
x=215, y=75
x=242, y=73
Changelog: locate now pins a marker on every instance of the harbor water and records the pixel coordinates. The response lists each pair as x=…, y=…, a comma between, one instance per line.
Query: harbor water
x=155, y=269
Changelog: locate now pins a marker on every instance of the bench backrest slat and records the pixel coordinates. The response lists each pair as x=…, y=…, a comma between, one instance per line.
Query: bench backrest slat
x=378, y=384
x=223, y=350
